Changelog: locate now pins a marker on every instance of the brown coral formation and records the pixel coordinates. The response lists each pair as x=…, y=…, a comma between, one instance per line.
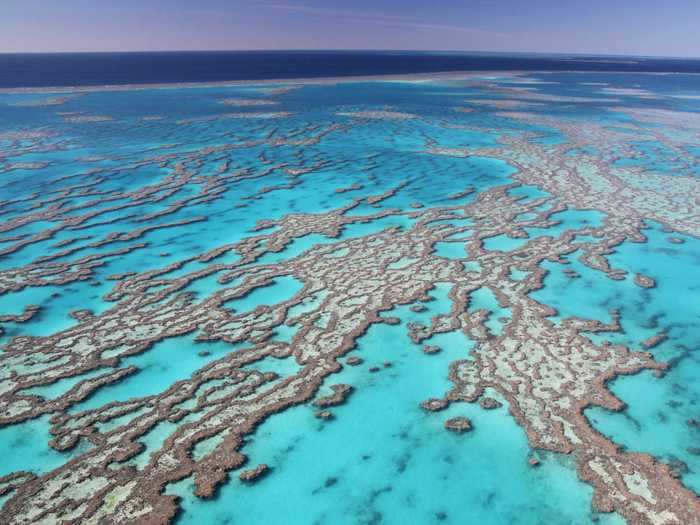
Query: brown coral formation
x=249, y=476
x=644, y=281
x=549, y=373
x=434, y=405
x=654, y=340
x=324, y=414
x=489, y=403
x=545, y=356
x=29, y=312
x=338, y=397
x=458, y=424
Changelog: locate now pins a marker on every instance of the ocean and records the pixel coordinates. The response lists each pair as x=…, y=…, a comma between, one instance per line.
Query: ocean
x=95, y=69
x=452, y=299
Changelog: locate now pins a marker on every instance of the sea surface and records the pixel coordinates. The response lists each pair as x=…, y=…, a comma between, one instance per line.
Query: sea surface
x=98, y=69
x=163, y=233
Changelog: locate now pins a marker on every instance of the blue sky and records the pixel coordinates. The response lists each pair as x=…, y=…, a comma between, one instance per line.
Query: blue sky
x=642, y=27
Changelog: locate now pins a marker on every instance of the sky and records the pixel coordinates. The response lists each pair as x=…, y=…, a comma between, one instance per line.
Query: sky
x=627, y=27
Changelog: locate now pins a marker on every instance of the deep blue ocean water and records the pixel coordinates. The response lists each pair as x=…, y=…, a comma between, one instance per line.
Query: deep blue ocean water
x=94, y=69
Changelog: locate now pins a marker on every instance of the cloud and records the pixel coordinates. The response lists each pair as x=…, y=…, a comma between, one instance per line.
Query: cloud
x=329, y=11
x=381, y=19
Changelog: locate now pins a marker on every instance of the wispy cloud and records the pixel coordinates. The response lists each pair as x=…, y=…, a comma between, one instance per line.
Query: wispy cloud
x=380, y=19
x=330, y=11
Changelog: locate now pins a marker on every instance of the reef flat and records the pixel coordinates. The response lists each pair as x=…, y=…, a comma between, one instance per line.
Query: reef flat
x=466, y=299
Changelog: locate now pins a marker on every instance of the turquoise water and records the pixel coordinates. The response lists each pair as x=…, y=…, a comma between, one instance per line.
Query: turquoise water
x=484, y=299
x=335, y=169
x=561, y=222
x=383, y=459
x=162, y=365
x=281, y=289
x=655, y=419
x=25, y=448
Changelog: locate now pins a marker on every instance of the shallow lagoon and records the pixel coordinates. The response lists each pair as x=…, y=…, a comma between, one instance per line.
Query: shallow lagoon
x=383, y=459
x=658, y=409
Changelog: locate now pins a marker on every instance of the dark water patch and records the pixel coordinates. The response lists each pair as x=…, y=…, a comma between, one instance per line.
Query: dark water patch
x=98, y=69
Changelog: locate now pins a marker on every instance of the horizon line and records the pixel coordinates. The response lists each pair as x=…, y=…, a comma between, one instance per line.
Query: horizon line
x=358, y=50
